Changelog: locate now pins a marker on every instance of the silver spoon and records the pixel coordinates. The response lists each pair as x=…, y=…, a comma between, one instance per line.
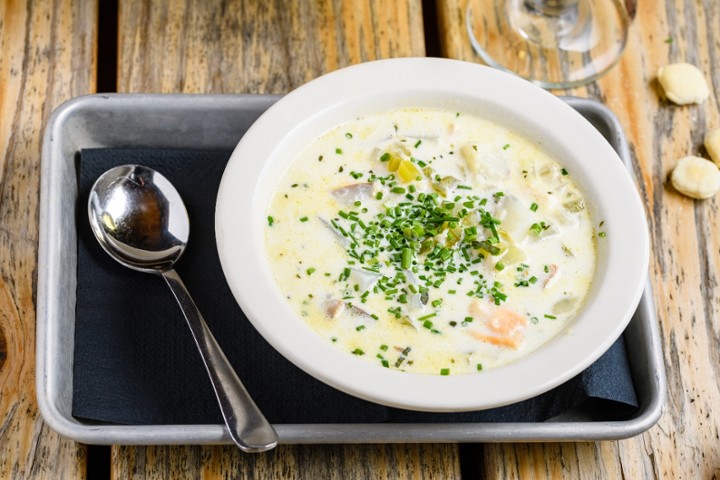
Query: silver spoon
x=140, y=220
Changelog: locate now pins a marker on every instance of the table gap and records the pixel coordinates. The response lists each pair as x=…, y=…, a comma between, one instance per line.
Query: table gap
x=107, y=46
x=97, y=465
x=431, y=28
x=472, y=461
x=98, y=462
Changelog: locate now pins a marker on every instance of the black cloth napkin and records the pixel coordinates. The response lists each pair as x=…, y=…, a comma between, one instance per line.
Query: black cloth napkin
x=135, y=361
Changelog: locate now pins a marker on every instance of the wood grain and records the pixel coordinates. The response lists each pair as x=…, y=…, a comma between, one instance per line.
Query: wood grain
x=685, y=261
x=289, y=462
x=47, y=56
x=266, y=47
x=257, y=46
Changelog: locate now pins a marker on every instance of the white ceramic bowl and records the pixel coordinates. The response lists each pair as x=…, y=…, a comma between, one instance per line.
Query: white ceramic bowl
x=290, y=125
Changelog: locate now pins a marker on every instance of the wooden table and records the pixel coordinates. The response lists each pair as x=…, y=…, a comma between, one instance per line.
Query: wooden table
x=53, y=51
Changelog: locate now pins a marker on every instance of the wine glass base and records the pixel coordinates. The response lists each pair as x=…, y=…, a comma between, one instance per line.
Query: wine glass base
x=553, y=43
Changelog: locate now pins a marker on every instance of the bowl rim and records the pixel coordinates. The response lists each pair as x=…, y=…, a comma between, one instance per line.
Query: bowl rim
x=241, y=213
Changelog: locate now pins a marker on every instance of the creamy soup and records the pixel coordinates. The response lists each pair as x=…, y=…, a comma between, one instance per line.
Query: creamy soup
x=430, y=241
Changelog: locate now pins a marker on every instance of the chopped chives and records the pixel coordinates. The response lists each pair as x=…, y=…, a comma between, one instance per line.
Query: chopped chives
x=534, y=207
x=444, y=371
x=303, y=219
x=310, y=271
x=338, y=151
x=479, y=366
x=406, y=260
x=402, y=357
x=551, y=317
x=360, y=328
x=358, y=351
x=271, y=220
x=345, y=274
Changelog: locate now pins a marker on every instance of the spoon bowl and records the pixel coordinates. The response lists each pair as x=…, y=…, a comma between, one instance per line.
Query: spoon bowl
x=140, y=220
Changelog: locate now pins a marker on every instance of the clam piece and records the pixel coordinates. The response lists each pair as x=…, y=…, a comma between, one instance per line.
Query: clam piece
x=416, y=301
x=365, y=279
x=334, y=308
x=554, y=275
x=350, y=194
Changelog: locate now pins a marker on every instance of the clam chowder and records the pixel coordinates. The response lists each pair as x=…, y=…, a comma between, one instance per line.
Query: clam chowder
x=430, y=241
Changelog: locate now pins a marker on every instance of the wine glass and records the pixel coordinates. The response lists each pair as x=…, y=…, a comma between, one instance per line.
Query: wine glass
x=553, y=43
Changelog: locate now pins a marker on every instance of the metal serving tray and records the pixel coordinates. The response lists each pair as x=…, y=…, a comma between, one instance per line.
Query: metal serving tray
x=213, y=121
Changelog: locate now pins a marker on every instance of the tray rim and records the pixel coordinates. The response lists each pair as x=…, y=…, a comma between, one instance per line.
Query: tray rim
x=50, y=347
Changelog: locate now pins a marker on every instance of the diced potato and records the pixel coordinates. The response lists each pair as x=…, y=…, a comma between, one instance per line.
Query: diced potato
x=518, y=218
x=407, y=171
x=564, y=306
x=394, y=163
x=514, y=255
x=446, y=186
x=470, y=154
x=574, y=204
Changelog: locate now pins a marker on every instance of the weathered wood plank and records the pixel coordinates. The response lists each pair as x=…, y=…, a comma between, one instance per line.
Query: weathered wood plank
x=341, y=462
x=266, y=47
x=47, y=56
x=685, y=260
x=254, y=46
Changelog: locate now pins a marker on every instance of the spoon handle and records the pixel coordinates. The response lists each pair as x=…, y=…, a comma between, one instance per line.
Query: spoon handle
x=247, y=425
